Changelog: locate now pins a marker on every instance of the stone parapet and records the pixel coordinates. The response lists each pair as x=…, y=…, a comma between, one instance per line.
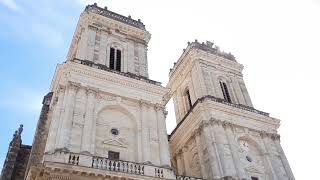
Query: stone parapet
x=105, y=12
x=108, y=165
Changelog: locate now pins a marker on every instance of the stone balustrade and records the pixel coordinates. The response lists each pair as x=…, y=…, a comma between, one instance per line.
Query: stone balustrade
x=101, y=163
x=116, y=165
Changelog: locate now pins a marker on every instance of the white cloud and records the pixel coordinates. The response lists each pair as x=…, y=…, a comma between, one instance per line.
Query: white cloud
x=12, y=5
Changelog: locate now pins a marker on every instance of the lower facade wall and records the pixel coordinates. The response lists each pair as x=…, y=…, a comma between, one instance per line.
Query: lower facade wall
x=219, y=149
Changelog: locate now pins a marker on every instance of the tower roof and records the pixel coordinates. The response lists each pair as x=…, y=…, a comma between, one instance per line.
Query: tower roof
x=115, y=16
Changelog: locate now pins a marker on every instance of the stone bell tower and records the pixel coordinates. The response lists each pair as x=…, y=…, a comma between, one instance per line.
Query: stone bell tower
x=106, y=118
x=220, y=135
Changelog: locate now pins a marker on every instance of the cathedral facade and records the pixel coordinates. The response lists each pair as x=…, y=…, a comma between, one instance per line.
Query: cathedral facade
x=105, y=119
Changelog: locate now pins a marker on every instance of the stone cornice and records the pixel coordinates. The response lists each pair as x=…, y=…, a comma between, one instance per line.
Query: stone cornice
x=105, y=68
x=190, y=58
x=71, y=71
x=225, y=125
x=222, y=101
x=117, y=78
x=115, y=16
x=204, y=49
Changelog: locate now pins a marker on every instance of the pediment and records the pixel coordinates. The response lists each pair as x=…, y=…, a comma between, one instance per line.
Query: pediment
x=114, y=142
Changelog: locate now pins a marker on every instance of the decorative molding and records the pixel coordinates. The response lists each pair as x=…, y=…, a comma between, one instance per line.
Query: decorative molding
x=115, y=16
x=122, y=82
x=73, y=85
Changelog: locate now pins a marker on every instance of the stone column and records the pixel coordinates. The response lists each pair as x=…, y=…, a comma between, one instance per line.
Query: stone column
x=266, y=153
x=78, y=120
x=87, y=128
x=67, y=118
x=145, y=133
x=163, y=137
x=139, y=136
x=180, y=165
x=212, y=153
x=185, y=160
x=204, y=172
x=234, y=151
x=224, y=151
x=56, y=118
x=283, y=158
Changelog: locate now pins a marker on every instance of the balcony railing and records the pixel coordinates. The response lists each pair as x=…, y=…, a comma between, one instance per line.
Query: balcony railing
x=119, y=166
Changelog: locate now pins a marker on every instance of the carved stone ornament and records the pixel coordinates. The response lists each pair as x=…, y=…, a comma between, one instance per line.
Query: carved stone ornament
x=92, y=91
x=61, y=88
x=159, y=107
x=144, y=102
x=204, y=124
x=73, y=85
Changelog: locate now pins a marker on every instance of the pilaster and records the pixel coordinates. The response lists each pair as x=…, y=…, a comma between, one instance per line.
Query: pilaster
x=212, y=151
x=163, y=138
x=180, y=164
x=56, y=120
x=204, y=172
x=88, y=121
x=234, y=151
x=266, y=153
x=67, y=118
x=283, y=158
x=145, y=132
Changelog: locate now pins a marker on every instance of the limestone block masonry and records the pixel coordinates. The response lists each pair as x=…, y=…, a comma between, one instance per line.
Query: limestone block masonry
x=220, y=135
x=105, y=119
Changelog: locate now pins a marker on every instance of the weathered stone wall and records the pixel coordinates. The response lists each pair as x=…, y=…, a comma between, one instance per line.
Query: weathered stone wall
x=17, y=157
x=21, y=163
x=41, y=134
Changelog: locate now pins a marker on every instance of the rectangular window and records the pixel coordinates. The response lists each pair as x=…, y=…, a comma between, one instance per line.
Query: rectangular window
x=118, y=67
x=254, y=178
x=111, y=64
x=113, y=155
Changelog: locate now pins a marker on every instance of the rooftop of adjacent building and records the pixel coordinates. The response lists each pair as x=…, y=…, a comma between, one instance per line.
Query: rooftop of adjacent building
x=115, y=16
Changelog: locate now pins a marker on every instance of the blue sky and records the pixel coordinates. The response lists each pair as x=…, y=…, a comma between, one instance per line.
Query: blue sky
x=276, y=41
x=34, y=36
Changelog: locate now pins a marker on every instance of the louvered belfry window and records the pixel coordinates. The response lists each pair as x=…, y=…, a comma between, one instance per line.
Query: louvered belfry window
x=225, y=91
x=189, y=99
x=115, y=59
x=118, y=65
x=111, y=65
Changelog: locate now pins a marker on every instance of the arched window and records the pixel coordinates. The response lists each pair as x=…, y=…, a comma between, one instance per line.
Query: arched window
x=115, y=59
x=188, y=99
x=225, y=91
